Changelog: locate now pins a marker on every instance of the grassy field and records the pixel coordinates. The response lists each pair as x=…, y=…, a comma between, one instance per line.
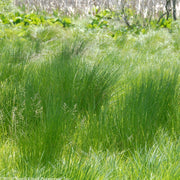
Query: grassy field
x=79, y=103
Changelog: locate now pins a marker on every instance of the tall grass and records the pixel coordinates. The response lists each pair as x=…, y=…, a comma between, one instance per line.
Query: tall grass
x=68, y=110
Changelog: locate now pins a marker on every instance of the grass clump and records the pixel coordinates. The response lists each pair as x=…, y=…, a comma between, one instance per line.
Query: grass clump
x=76, y=103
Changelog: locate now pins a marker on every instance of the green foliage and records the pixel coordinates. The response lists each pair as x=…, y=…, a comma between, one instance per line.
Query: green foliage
x=109, y=19
x=104, y=19
x=22, y=19
x=163, y=23
x=100, y=20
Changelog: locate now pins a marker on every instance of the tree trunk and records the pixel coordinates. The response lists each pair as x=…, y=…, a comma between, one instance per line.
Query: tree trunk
x=168, y=8
x=174, y=9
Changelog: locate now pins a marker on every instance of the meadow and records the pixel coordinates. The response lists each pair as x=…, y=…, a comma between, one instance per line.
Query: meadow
x=88, y=98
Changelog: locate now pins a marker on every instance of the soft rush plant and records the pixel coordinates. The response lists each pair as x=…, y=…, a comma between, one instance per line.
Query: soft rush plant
x=78, y=104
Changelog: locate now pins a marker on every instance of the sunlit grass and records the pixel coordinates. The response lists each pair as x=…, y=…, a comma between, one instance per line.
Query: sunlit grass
x=78, y=104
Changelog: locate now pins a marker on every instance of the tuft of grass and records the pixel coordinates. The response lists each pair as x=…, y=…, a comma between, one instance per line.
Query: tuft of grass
x=78, y=104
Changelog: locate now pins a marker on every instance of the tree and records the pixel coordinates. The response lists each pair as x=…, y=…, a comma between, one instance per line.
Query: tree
x=174, y=9
x=168, y=8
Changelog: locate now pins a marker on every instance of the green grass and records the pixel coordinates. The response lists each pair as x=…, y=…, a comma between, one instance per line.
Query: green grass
x=76, y=103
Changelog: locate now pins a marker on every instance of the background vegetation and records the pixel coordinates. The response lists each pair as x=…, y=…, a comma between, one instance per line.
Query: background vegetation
x=147, y=8
x=89, y=97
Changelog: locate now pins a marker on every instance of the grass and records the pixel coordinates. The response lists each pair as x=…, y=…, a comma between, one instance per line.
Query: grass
x=79, y=104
